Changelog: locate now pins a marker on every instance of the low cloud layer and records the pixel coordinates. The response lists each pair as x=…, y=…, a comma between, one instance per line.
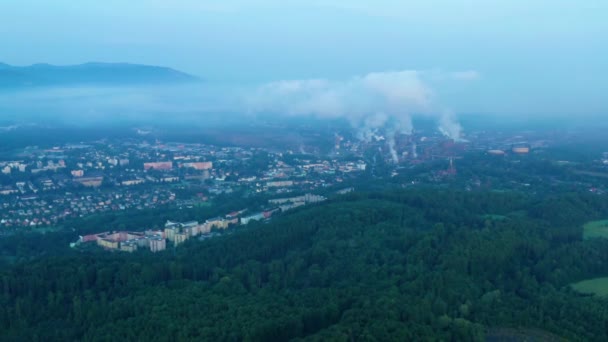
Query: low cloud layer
x=92, y=105
x=377, y=102
x=386, y=100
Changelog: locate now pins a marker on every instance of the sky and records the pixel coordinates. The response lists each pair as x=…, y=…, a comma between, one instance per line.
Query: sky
x=530, y=57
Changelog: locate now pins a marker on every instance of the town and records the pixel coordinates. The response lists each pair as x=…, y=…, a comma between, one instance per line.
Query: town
x=43, y=186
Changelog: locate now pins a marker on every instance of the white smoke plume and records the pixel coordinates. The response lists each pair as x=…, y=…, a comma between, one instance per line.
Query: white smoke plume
x=449, y=126
x=371, y=125
x=391, y=146
x=383, y=100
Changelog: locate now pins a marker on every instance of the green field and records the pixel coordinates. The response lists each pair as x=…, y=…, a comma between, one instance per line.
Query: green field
x=596, y=286
x=595, y=229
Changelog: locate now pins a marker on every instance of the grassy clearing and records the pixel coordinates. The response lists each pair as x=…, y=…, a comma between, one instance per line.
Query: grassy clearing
x=596, y=286
x=595, y=229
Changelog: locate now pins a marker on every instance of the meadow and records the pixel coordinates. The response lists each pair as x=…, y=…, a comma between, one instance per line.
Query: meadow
x=595, y=286
x=595, y=229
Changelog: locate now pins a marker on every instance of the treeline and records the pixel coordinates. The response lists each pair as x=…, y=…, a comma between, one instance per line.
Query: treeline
x=415, y=265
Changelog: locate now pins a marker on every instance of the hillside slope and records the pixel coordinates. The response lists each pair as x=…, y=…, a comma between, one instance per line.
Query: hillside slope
x=404, y=266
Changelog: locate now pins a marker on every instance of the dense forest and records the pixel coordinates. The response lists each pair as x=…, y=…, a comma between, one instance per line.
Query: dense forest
x=404, y=265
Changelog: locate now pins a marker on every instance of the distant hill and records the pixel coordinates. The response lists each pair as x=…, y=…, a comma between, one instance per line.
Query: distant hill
x=89, y=74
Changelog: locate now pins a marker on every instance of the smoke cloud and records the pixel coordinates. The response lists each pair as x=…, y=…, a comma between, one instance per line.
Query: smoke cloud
x=381, y=100
x=449, y=126
x=378, y=105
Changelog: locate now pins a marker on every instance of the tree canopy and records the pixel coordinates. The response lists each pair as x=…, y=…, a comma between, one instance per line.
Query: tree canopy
x=402, y=265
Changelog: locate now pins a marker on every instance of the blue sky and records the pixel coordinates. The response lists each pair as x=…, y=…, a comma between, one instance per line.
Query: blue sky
x=533, y=56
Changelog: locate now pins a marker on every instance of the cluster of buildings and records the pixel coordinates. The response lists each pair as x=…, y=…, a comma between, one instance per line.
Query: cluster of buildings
x=124, y=163
x=36, y=210
x=127, y=241
x=176, y=233
x=168, y=165
x=289, y=203
x=98, y=176
x=43, y=186
x=301, y=168
x=516, y=149
x=7, y=167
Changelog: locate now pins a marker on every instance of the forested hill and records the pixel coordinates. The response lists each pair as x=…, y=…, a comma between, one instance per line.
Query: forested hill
x=402, y=266
x=88, y=74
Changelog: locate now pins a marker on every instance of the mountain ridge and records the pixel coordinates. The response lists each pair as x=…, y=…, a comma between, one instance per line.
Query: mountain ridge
x=90, y=73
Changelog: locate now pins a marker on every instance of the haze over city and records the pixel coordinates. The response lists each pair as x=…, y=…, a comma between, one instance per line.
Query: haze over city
x=522, y=55
x=304, y=170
